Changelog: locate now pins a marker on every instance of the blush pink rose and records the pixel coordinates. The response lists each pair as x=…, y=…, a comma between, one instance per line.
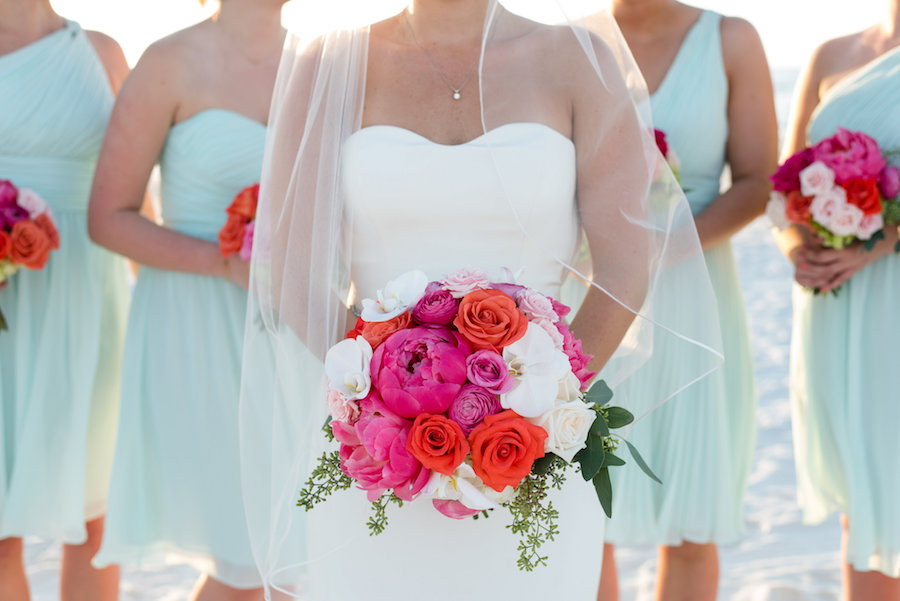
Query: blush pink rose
x=816, y=179
x=787, y=177
x=341, y=408
x=552, y=331
x=453, y=509
x=486, y=368
x=472, y=405
x=846, y=220
x=536, y=306
x=889, y=182
x=825, y=206
x=850, y=155
x=869, y=225
x=8, y=193
x=437, y=306
x=463, y=281
x=420, y=370
x=373, y=452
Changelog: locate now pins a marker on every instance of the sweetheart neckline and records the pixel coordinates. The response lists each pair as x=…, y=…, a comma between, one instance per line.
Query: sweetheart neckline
x=474, y=140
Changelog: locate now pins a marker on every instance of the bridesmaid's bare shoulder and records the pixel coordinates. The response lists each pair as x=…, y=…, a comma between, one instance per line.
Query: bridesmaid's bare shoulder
x=837, y=58
x=110, y=54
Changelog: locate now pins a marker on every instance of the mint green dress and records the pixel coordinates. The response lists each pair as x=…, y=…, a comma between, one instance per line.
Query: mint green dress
x=175, y=495
x=701, y=442
x=60, y=358
x=845, y=392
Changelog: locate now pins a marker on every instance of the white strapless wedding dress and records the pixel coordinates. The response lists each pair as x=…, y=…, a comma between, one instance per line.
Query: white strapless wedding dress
x=416, y=204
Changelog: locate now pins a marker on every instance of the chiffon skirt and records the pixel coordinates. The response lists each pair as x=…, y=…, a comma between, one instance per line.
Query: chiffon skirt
x=845, y=396
x=175, y=495
x=700, y=443
x=59, y=386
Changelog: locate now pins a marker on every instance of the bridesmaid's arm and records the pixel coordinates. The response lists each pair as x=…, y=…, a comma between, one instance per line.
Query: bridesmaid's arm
x=752, y=147
x=144, y=112
x=110, y=54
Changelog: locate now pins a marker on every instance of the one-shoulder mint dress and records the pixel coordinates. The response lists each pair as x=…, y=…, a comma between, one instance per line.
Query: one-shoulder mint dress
x=175, y=495
x=60, y=358
x=845, y=389
x=701, y=442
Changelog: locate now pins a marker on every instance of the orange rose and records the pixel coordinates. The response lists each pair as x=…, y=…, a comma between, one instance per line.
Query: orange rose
x=504, y=447
x=5, y=245
x=244, y=204
x=437, y=442
x=863, y=192
x=490, y=319
x=30, y=245
x=44, y=222
x=796, y=207
x=376, y=332
x=357, y=329
x=231, y=236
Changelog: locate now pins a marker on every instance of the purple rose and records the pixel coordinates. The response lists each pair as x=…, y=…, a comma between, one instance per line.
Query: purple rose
x=787, y=177
x=8, y=193
x=487, y=369
x=437, y=307
x=11, y=215
x=850, y=155
x=473, y=404
x=889, y=182
x=420, y=370
x=578, y=359
x=373, y=452
x=510, y=290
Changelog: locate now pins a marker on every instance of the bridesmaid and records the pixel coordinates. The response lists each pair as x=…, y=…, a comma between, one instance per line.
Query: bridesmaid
x=711, y=93
x=60, y=358
x=843, y=372
x=196, y=103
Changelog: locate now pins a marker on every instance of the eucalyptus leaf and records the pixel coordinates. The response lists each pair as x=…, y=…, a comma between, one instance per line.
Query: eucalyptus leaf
x=542, y=465
x=603, y=486
x=599, y=394
x=599, y=428
x=640, y=461
x=611, y=460
x=591, y=457
x=618, y=417
x=870, y=243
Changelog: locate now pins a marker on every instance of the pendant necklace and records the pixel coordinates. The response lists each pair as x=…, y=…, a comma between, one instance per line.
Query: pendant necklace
x=456, y=91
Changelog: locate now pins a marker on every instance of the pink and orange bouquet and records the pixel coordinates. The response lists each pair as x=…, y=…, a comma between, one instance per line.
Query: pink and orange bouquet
x=27, y=232
x=236, y=236
x=662, y=143
x=842, y=189
x=468, y=392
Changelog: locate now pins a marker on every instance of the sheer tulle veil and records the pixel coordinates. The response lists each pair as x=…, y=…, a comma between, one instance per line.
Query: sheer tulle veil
x=302, y=283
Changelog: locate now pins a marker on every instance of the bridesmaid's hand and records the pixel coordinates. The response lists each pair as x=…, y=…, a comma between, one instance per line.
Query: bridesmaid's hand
x=237, y=271
x=827, y=268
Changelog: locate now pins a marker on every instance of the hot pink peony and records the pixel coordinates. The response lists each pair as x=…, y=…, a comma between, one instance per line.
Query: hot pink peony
x=420, y=370
x=472, y=405
x=850, y=155
x=373, y=452
x=578, y=359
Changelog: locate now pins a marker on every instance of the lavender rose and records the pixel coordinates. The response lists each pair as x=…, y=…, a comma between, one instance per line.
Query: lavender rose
x=487, y=369
x=472, y=405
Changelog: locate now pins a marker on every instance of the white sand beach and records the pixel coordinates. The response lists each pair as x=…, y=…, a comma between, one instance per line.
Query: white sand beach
x=779, y=560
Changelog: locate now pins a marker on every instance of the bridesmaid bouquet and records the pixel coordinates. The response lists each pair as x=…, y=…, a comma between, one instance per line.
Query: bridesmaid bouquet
x=471, y=393
x=842, y=189
x=236, y=236
x=27, y=232
x=668, y=153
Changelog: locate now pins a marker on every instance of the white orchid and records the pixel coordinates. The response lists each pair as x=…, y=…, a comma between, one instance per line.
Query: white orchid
x=537, y=367
x=395, y=297
x=347, y=367
x=467, y=488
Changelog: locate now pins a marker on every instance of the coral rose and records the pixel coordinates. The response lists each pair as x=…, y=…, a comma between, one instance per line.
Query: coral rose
x=5, y=246
x=504, y=447
x=231, y=236
x=244, y=204
x=438, y=442
x=489, y=319
x=377, y=332
x=863, y=193
x=796, y=207
x=44, y=222
x=30, y=245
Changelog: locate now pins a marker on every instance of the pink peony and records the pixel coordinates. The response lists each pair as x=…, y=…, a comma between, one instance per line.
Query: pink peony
x=373, y=452
x=453, y=509
x=437, y=306
x=487, y=369
x=536, y=306
x=889, y=182
x=420, y=370
x=247, y=243
x=559, y=308
x=850, y=155
x=578, y=359
x=472, y=405
x=8, y=193
x=464, y=281
x=787, y=177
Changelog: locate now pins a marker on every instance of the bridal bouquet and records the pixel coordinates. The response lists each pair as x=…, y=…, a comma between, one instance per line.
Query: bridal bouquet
x=27, y=232
x=842, y=189
x=471, y=393
x=236, y=236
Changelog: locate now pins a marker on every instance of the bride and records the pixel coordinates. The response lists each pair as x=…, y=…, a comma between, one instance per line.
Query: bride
x=451, y=134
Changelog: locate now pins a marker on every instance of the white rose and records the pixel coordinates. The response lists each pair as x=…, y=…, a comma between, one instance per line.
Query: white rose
x=347, y=367
x=567, y=426
x=776, y=211
x=816, y=179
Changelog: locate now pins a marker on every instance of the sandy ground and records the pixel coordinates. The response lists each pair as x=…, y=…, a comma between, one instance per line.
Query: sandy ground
x=780, y=559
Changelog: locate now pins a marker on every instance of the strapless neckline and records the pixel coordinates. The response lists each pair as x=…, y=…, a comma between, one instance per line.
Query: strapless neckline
x=499, y=130
x=205, y=113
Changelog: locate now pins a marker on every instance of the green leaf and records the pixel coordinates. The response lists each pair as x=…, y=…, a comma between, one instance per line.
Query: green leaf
x=599, y=428
x=599, y=394
x=870, y=243
x=897, y=247
x=640, y=461
x=591, y=457
x=611, y=460
x=618, y=417
x=603, y=486
x=542, y=465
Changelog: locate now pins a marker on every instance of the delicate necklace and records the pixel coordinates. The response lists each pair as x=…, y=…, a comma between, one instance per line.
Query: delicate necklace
x=456, y=91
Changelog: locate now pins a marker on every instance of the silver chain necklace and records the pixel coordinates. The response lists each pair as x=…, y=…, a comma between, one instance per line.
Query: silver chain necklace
x=456, y=91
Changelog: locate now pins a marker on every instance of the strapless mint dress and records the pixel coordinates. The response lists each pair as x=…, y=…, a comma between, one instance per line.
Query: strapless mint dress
x=701, y=442
x=60, y=360
x=845, y=392
x=175, y=494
